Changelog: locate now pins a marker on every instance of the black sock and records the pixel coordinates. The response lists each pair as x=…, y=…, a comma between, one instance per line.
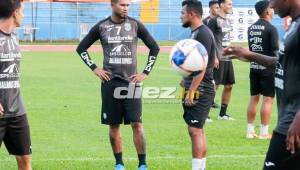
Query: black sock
x=142, y=159
x=223, y=109
x=119, y=159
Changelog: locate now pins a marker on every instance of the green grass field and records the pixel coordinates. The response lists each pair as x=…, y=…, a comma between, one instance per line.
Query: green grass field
x=62, y=97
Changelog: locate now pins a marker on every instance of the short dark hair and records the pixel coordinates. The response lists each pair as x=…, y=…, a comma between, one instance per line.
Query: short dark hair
x=7, y=7
x=193, y=5
x=213, y=2
x=261, y=6
x=221, y=1
x=114, y=1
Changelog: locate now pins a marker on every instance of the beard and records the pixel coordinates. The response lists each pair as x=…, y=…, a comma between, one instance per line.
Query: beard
x=120, y=15
x=17, y=23
x=186, y=24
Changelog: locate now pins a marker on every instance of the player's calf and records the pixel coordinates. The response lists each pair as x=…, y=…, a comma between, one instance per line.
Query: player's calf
x=140, y=144
x=24, y=162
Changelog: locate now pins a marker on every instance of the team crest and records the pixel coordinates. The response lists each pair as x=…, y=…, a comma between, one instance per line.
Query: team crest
x=127, y=27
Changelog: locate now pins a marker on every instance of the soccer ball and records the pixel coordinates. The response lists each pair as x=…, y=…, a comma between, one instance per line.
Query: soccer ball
x=188, y=58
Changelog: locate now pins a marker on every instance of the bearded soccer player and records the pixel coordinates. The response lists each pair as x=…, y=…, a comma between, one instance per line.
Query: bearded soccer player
x=119, y=35
x=224, y=74
x=199, y=89
x=14, y=127
x=263, y=39
x=284, y=148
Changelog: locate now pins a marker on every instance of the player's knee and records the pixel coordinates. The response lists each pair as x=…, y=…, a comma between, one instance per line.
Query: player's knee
x=255, y=99
x=24, y=162
x=228, y=87
x=114, y=131
x=268, y=100
x=137, y=127
x=194, y=132
x=114, y=128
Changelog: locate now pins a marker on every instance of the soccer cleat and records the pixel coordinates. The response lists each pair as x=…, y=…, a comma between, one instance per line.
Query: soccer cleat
x=119, y=167
x=208, y=120
x=225, y=117
x=251, y=135
x=267, y=136
x=143, y=167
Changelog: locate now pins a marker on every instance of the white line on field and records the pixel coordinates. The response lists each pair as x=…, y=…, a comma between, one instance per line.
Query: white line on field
x=134, y=158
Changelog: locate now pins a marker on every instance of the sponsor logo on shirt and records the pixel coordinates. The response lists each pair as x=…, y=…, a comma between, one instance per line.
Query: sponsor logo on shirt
x=279, y=83
x=10, y=56
x=255, y=33
x=257, y=27
x=121, y=50
x=119, y=39
x=9, y=84
x=109, y=27
x=255, y=40
x=11, y=71
x=256, y=47
x=120, y=61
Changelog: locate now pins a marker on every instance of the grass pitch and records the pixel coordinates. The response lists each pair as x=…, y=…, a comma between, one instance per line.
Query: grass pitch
x=62, y=97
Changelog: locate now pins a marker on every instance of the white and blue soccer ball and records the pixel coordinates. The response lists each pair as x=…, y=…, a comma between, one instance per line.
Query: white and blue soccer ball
x=188, y=58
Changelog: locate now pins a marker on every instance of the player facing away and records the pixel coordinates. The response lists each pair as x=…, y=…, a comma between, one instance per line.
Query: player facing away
x=263, y=39
x=224, y=74
x=199, y=90
x=283, y=152
x=14, y=127
x=119, y=35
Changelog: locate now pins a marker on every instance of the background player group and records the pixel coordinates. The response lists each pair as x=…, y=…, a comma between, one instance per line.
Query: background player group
x=120, y=70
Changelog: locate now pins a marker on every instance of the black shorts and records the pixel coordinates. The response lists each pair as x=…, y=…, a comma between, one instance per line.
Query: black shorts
x=262, y=83
x=196, y=115
x=224, y=75
x=116, y=110
x=15, y=134
x=278, y=157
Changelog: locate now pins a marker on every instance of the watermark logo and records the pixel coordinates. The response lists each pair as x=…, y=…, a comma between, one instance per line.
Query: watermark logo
x=165, y=94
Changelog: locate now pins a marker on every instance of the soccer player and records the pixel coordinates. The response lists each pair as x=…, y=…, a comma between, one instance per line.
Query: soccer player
x=199, y=90
x=224, y=75
x=213, y=12
x=263, y=39
x=283, y=152
x=119, y=35
x=14, y=127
